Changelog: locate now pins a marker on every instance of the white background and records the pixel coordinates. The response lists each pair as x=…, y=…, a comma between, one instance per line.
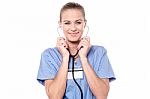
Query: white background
x=27, y=27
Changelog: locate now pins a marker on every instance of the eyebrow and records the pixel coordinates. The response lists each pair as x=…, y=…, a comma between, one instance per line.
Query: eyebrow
x=75, y=20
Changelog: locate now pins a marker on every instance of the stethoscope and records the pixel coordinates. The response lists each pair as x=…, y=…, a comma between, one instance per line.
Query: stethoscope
x=73, y=59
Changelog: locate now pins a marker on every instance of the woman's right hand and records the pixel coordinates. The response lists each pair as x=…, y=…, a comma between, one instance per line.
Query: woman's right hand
x=62, y=47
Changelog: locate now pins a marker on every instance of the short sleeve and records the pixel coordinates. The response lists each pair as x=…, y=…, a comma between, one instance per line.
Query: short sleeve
x=104, y=67
x=47, y=69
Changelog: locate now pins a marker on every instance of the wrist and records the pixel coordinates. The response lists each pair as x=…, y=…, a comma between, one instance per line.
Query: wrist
x=84, y=61
x=65, y=58
x=83, y=58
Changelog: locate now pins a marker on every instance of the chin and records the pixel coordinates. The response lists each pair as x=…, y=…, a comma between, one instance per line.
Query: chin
x=74, y=41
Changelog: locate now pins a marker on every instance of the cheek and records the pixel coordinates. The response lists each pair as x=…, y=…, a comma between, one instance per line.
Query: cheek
x=64, y=29
x=80, y=28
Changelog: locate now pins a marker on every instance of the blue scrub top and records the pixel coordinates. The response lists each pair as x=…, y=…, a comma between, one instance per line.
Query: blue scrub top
x=97, y=57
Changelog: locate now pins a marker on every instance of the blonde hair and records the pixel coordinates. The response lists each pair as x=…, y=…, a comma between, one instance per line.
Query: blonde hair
x=72, y=5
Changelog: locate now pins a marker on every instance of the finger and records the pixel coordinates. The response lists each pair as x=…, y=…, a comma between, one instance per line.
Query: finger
x=85, y=43
x=61, y=41
x=86, y=38
x=82, y=45
x=79, y=46
x=60, y=38
x=65, y=45
x=61, y=47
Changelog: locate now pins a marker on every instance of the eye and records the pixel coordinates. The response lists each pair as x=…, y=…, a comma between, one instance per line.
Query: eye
x=66, y=23
x=78, y=22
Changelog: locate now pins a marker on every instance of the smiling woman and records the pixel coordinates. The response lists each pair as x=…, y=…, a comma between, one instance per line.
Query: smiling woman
x=72, y=21
x=72, y=24
x=92, y=72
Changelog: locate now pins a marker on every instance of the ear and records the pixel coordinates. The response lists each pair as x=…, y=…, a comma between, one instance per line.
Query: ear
x=85, y=23
x=60, y=24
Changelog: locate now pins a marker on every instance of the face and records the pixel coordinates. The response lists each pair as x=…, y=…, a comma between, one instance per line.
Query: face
x=72, y=24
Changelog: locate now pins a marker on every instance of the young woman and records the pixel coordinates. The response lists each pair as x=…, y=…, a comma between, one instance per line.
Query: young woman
x=92, y=71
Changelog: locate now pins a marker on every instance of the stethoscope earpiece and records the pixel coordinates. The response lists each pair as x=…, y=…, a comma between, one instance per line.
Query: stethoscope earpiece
x=60, y=32
x=86, y=31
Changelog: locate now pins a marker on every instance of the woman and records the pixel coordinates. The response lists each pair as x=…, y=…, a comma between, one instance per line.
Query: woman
x=92, y=71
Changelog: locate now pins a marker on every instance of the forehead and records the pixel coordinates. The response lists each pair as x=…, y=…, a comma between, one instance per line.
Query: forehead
x=72, y=14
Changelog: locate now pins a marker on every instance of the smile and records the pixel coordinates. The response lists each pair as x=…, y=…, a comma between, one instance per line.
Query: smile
x=74, y=34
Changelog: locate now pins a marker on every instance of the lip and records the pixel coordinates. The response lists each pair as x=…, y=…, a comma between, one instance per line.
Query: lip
x=74, y=34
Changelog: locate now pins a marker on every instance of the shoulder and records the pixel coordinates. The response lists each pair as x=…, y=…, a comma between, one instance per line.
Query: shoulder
x=49, y=51
x=97, y=49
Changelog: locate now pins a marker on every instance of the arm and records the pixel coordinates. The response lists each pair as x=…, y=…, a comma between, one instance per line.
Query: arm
x=98, y=86
x=55, y=89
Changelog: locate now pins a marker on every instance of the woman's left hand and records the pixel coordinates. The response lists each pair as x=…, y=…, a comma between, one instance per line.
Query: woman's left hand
x=84, y=46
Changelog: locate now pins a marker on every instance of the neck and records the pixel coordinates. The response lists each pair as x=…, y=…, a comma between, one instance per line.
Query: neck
x=73, y=47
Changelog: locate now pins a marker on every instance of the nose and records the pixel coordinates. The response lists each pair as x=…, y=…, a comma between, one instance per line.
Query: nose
x=73, y=27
